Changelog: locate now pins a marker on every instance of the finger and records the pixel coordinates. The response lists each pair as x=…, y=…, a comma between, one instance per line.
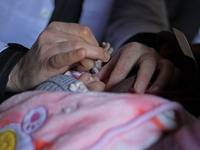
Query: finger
x=92, y=52
x=81, y=68
x=97, y=86
x=79, y=30
x=67, y=59
x=146, y=70
x=127, y=57
x=106, y=70
x=165, y=75
x=175, y=77
x=123, y=66
x=96, y=53
x=85, y=65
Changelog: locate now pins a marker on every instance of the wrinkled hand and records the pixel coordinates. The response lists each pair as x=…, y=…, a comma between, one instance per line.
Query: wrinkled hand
x=57, y=49
x=147, y=59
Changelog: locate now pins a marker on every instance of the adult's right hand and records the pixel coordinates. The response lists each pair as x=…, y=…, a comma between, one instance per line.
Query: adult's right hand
x=57, y=49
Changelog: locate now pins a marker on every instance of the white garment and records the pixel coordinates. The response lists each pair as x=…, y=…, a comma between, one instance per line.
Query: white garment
x=3, y=46
x=197, y=37
x=23, y=24
x=96, y=17
x=130, y=17
x=23, y=20
x=111, y=20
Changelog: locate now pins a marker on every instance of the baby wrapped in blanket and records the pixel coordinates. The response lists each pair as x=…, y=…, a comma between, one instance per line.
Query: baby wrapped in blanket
x=80, y=120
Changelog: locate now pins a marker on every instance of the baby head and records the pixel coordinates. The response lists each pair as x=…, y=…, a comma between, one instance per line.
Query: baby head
x=74, y=82
x=92, y=82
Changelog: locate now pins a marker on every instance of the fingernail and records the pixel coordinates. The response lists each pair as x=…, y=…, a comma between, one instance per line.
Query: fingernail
x=107, y=56
x=139, y=88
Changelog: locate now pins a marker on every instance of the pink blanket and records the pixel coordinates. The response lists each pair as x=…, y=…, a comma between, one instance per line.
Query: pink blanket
x=92, y=121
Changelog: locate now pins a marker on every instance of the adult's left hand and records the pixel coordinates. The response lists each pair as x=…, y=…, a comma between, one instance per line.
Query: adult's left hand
x=147, y=59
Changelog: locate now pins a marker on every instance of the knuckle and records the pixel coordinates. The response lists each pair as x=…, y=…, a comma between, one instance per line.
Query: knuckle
x=76, y=45
x=119, y=70
x=132, y=45
x=148, y=59
x=44, y=36
x=152, y=50
x=167, y=63
x=138, y=49
x=53, y=24
x=86, y=30
x=44, y=47
x=42, y=50
x=41, y=37
x=130, y=48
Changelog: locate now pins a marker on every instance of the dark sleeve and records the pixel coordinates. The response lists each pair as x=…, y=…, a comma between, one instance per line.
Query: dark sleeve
x=8, y=59
x=164, y=43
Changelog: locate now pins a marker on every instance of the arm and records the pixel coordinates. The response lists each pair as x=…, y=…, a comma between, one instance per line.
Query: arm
x=130, y=17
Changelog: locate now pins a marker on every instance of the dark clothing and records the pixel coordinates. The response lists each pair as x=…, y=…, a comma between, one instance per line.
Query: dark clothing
x=184, y=15
x=8, y=59
x=65, y=11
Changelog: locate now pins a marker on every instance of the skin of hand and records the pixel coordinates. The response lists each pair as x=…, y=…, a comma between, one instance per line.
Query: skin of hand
x=147, y=59
x=92, y=82
x=57, y=49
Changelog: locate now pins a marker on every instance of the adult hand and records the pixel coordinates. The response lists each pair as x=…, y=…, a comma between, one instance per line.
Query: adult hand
x=147, y=59
x=57, y=49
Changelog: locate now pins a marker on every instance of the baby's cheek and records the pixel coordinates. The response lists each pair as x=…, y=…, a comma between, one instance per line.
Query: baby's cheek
x=86, y=78
x=95, y=78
